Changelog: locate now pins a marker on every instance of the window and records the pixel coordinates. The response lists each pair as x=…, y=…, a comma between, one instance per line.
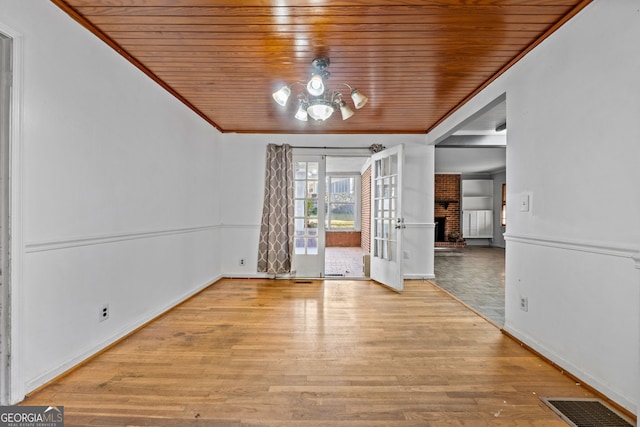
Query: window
x=342, y=207
x=503, y=211
x=306, y=208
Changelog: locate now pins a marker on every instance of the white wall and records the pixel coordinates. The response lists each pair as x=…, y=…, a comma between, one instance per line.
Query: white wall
x=498, y=230
x=417, y=203
x=120, y=195
x=573, y=149
x=243, y=171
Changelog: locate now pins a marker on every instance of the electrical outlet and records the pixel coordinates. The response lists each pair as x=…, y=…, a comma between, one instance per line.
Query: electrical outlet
x=241, y=261
x=104, y=313
x=524, y=303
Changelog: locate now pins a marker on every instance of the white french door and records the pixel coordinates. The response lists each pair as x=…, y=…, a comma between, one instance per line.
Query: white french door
x=387, y=223
x=309, y=209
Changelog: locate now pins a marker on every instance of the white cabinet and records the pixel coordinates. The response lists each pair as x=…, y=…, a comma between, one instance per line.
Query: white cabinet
x=477, y=208
x=477, y=224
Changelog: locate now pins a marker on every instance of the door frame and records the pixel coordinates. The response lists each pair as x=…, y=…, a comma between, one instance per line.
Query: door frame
x=358, y=215
x=12, y=388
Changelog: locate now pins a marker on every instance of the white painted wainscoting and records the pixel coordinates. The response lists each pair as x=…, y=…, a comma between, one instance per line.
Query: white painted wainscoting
x=582, y=308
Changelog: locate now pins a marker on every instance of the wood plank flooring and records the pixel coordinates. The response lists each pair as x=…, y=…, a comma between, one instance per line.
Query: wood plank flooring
x=333, y=353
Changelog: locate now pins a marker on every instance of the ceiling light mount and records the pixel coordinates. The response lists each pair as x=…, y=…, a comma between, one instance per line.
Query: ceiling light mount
x=318, y=101
x=320, y=65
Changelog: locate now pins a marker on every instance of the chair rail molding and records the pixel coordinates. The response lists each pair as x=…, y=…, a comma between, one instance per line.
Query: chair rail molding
x=52, y=245
x=591, y=246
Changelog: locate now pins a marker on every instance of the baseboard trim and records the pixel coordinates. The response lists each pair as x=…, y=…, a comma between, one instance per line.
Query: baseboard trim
x=249, y=276
x=573, y=377
x=426, y=276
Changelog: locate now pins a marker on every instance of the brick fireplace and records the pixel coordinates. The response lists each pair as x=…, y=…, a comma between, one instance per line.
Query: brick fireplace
x=447, y=211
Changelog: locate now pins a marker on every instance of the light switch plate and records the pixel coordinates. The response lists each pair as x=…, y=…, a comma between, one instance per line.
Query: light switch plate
x=524, y=203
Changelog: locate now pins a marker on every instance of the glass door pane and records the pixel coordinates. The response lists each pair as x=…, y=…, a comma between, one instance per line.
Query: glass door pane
x=309, y=215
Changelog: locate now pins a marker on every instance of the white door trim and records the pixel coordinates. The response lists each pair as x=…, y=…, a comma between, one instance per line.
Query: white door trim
x=14, y=390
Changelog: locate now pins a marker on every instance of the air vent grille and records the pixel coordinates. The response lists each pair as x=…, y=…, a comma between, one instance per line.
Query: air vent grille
x=587, y=413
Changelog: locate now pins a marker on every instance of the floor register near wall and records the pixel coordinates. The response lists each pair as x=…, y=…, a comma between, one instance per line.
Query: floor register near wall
x=587, y=413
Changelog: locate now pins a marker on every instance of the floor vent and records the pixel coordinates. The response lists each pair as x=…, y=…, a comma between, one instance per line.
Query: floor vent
x=587, y=413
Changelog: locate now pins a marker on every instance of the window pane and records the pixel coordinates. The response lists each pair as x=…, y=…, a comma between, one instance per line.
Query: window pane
x=312, y=189
x=299, y=207
x=393, y=168
x=300, y=170
x=299, y=246
x=312, y=208
x=343, y=190
x=342, y=216
x=383, y=167
x=312, y=246
x=312, y=170
x=299, y=189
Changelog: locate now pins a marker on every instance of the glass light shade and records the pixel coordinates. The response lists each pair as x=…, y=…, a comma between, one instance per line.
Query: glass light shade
x=320, y=109
x=359, y=100
x=301, y=114
x=345, y=110
x=281, y=96
x=315, y=87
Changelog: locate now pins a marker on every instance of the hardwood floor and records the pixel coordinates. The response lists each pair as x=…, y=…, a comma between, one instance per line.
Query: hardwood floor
x=334, y=353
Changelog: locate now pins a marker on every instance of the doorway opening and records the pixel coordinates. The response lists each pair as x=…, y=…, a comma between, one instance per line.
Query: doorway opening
x=347, y=216
x=470, y=197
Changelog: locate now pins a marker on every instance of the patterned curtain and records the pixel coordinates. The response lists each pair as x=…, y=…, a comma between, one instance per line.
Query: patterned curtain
x=275, y=250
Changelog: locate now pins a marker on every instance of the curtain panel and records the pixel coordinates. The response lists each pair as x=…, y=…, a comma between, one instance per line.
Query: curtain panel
x=275, y=249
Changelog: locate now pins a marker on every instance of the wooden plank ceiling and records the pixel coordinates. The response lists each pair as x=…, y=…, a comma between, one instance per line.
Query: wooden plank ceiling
x=416, y=61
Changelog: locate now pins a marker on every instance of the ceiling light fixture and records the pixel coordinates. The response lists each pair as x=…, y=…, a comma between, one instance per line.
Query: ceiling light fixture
x=318, y=101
